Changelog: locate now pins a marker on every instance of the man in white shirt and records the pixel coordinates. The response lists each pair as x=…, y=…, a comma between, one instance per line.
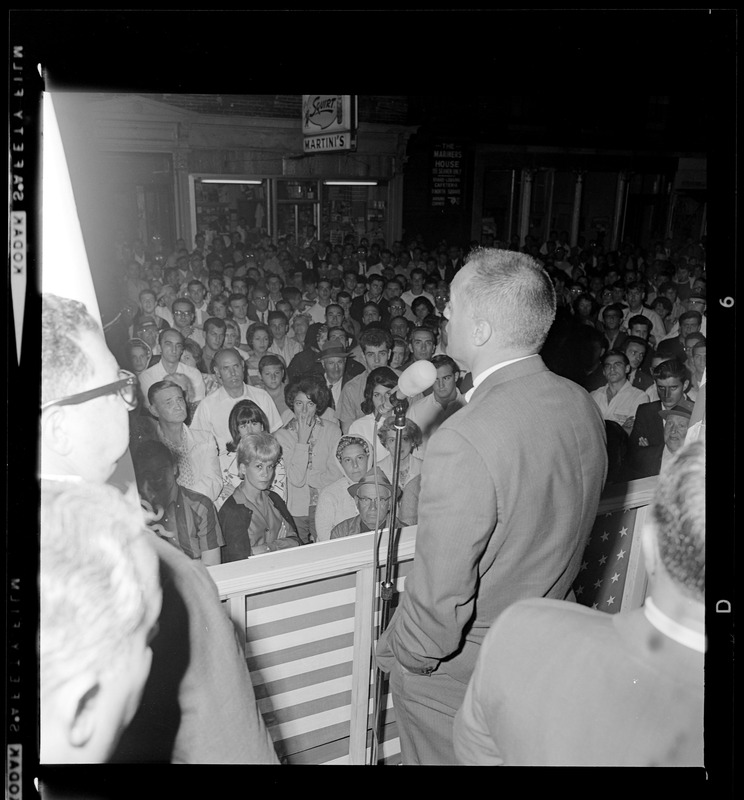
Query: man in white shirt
x=238, y=305
x=618, y=400
x=430, y=411
x=171, y=345
x=635, y=293
x=197, y=293
x=418, y=276
x=213, y=412
x=184, y=320
x=318, y=309
x=282, y=345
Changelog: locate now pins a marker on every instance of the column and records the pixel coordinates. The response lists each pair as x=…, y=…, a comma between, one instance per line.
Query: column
x=576, y=213
x=524, y=206
x=183, y=201
x=548, y=223
x=622, y=186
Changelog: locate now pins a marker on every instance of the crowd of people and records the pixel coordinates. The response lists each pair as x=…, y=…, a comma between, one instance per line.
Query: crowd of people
x=316, y=336
x=259, y=385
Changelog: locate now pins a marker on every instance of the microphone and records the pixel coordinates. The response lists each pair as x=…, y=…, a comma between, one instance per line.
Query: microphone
x=417, y=378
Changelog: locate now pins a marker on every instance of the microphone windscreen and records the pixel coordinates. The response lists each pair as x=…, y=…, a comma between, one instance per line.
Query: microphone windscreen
x=417, y=378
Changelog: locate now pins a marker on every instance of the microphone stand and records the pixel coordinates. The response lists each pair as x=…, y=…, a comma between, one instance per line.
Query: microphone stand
x=387, y=586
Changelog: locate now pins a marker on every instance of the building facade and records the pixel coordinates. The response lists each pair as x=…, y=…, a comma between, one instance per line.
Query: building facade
x=172, y=165
x=175, y=165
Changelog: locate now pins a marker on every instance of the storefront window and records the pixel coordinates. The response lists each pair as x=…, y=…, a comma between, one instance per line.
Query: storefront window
x=291, y=209
x=231, y=207
x=357, y=210
x=296, y=210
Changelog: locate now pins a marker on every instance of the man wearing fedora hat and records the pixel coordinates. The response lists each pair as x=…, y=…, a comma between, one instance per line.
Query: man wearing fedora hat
x=332, y=358
x=147, y=329
x=372, y=495
x=334, y=363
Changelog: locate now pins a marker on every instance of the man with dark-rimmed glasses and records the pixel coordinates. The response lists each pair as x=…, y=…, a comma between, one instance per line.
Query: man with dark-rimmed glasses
x=85, y=396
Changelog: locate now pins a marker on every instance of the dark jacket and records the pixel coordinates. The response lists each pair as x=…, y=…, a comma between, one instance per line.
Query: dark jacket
x=235, y=520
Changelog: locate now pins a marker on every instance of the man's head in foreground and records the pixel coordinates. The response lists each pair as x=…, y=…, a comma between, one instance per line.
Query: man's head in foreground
x=100, y=599
x=85, y=396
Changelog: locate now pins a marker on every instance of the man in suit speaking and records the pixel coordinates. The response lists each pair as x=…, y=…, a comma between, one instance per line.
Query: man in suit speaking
x=509, y=492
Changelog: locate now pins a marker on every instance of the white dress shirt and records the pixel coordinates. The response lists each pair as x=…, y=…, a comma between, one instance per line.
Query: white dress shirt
x=622, y=405
x=213, y=414
x=157, y=373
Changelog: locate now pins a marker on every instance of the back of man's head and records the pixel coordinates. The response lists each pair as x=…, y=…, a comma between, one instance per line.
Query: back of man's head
x=99, y=596
x=513, y=293
x=678, y=514
x=64, y=363
x=152, y=455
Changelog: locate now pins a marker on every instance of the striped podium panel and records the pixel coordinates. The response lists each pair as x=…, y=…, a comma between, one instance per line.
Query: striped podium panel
x=309, y=642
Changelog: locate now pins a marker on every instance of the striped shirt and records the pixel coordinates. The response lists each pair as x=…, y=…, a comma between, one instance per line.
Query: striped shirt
x=193, y=519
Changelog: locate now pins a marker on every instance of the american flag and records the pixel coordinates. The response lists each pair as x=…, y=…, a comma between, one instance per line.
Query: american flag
x=604, y=567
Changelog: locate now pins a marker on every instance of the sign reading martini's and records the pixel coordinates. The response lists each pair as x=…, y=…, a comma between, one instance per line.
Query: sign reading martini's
x=328, y=122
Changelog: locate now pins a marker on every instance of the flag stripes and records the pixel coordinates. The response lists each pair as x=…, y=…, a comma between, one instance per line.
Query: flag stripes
x=300, y=652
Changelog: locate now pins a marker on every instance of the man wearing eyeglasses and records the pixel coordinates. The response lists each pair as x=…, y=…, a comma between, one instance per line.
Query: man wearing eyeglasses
x=184, y=320
x=198, y=704
x=373, y=496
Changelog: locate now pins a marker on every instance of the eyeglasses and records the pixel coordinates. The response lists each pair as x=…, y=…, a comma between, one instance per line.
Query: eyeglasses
x=364, y=499
x=125, y=387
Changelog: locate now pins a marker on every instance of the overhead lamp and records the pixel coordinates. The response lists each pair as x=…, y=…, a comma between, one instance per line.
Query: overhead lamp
x=230, y=180
x=350, y=183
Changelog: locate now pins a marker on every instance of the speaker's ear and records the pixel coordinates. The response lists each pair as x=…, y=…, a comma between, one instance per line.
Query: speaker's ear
x=82, y=698
x=54, y=432
x=482, y=332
